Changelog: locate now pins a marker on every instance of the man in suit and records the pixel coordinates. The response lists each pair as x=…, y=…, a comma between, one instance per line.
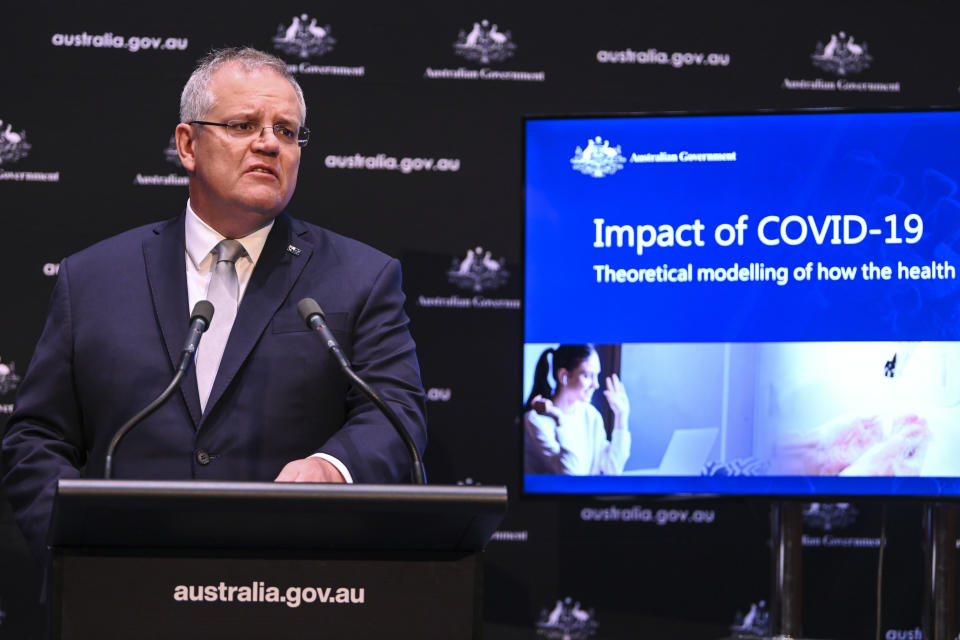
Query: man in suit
x=273, y=404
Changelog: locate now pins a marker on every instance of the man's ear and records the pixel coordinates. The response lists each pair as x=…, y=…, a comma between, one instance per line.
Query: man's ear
x=186, y=139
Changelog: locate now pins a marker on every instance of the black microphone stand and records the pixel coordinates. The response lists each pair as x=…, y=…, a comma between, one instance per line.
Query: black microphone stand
x=199, y=321
x=132, y=422
x=311, y=313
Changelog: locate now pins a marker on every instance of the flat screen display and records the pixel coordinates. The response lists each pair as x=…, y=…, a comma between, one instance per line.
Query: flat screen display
x=757, y=304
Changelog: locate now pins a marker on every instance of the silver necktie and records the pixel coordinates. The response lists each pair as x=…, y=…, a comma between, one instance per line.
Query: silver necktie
x=223, y=293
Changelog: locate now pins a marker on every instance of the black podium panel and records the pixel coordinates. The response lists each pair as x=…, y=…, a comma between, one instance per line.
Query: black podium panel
x=235, y=560
x=198, y=596
x=245, y=515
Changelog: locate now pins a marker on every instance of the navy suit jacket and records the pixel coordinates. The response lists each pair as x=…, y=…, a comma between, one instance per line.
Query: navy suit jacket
x=115, y=330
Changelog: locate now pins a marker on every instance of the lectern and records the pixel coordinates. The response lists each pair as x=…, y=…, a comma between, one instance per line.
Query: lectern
x=174, y=559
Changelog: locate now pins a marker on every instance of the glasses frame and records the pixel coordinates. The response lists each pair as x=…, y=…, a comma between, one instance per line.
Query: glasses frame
x=303, y=134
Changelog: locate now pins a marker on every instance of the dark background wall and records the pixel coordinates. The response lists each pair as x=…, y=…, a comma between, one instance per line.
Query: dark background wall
x=94, y=123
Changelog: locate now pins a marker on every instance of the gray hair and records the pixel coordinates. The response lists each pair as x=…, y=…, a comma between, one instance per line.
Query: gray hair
x=197, y=98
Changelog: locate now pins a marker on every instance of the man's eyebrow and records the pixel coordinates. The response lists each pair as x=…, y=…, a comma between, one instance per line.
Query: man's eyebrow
x=241, y=114
x=252, y=116
x=285, y=119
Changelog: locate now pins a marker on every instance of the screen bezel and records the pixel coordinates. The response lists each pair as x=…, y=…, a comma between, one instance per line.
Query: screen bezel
x=672, y=495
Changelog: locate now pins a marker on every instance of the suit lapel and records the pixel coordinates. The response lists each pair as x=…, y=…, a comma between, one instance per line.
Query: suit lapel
x=271, y=281
x=164, y=257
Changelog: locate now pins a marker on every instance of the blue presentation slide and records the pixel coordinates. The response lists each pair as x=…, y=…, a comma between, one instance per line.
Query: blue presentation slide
x=776, y=293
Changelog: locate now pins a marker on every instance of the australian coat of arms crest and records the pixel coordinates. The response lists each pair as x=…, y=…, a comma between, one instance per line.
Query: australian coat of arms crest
x=598, y=159
x=754, y=623
x=478, y=270
x=841, y=55
x=484, y=43
x=303, y=37
x=8, y=377
x=13, y=145
x=566, y=621
x=826, y=517
x=170, y=153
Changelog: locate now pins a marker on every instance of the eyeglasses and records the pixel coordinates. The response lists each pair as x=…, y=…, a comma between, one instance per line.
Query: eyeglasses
x=243, y=129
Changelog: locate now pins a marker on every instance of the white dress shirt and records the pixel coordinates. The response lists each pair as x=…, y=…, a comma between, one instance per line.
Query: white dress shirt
x=200, y=239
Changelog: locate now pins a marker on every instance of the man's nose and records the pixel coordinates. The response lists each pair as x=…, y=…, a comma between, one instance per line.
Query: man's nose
x=267, y=141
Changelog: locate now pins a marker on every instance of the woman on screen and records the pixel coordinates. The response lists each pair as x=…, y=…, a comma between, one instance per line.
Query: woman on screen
x=564, y=432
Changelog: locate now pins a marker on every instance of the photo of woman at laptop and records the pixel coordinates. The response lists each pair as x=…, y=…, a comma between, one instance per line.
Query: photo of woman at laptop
x=563, y=432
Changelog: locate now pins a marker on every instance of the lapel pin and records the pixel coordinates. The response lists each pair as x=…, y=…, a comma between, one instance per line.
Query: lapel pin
x=294, y=250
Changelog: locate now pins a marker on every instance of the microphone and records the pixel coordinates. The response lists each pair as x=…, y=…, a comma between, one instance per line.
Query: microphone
x=199, y=321
x=312, y=314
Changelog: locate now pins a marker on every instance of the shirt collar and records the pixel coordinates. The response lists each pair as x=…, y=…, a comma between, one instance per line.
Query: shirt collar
x=201, y=238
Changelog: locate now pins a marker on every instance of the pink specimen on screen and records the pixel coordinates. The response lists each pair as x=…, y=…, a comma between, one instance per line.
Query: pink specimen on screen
x=856, y=446
x=832, y=447
x=900, y=454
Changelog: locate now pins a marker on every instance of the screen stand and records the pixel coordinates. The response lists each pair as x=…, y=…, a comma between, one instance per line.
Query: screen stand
x=786, y=537
x=786, y=519
x=939, y=618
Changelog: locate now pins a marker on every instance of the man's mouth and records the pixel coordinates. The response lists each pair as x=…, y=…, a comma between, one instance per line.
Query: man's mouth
x=260, y=169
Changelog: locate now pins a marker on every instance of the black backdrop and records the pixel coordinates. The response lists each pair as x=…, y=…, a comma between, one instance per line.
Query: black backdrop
x=82, y=140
